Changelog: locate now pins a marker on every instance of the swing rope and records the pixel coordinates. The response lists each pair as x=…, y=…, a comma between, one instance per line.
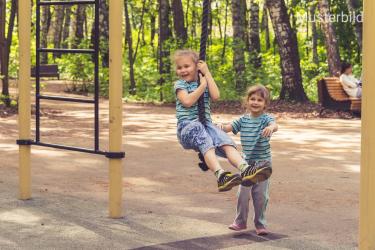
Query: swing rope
x=202, y=56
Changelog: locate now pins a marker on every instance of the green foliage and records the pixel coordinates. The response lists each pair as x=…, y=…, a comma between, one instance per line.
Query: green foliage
x=79, y=68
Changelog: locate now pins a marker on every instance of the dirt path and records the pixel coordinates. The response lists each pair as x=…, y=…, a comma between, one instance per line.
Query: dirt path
x=168, y=202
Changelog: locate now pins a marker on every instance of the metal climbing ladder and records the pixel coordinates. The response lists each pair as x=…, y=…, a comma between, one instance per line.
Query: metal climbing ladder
x=38, y=96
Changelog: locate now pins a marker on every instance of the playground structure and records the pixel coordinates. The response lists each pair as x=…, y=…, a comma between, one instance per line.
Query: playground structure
x=115, y=98
x=367, y=199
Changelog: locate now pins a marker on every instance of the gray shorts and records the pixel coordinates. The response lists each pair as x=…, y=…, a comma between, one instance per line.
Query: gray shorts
x=193, y=135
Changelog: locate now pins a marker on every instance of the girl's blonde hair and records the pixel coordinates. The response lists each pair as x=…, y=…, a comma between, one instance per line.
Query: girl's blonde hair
x=259, y=90
x=185, y=52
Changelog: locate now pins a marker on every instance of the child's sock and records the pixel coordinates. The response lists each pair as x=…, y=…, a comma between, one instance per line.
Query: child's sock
x=243, y=165
x=219, y=172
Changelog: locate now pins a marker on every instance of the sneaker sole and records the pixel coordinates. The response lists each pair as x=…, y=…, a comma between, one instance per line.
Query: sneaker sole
x=259, y=176
x=237, y=180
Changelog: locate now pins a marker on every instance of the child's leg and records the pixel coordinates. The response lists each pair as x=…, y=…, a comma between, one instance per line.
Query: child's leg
x=260, y=195
x=211, y=160
x=226, y=180
x=242, y=210
x=234, y=157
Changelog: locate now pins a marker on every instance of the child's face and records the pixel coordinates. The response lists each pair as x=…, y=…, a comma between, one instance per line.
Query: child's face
x=256, y=104
x=186, y=69
x=349, y=70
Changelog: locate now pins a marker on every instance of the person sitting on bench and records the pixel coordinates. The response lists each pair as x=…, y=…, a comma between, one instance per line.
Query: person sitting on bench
x=351, y=85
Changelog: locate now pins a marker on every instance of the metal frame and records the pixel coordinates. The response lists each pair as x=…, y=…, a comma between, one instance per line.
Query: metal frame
x=95, y=101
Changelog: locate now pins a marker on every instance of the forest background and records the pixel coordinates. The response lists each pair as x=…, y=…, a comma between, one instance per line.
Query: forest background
x=284, y=45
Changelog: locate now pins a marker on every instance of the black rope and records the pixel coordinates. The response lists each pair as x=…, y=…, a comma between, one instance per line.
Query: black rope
x=202, y=56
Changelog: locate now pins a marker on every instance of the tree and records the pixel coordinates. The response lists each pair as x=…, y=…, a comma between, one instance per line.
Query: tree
x=58, y=27
x=79, y=21
x=178, y=23
x=330, y=39
x=45, y=24
x=254, y=40
x=104, y=32
x=355, y=7
x=129, y=42
x=238, y=24
x=5, y=43
x=65, y=31
x=265, y=28
x=164, y=35
x=225, y=31
x=292, y=88
x=314, y=36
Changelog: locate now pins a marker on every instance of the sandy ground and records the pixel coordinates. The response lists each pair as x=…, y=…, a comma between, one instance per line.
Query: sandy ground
x=168, y=203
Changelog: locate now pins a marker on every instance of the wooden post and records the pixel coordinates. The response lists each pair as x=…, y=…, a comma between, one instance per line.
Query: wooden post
x=115, y=106
x=367, y=193
x=24, y=110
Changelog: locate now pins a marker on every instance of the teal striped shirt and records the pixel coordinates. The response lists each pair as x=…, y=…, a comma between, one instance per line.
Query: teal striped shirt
x=254, y=146
x=183, y=113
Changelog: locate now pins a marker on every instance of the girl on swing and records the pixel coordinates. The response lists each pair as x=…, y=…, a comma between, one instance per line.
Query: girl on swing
x=207, y=139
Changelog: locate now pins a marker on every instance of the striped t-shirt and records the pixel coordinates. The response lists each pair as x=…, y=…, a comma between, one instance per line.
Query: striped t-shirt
x=183, y=113
x=254, y=146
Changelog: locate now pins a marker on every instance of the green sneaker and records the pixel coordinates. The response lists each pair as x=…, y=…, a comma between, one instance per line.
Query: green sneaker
x=227, y=180
x=254, y=174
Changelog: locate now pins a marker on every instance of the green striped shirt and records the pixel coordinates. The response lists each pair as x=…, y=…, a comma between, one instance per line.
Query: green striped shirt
x=183, y=113
x=254, y=146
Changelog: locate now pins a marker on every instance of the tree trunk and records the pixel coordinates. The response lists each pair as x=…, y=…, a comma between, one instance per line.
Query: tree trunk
x=178, y=23
x=152, y=26
x=140, y=31
x=254, y=40
x=45, y=24
x=164, y=35
x=194, y=17
x=330, y=40
x=244, y=12
x=129, y=42
x=58, y=27
x=292, y=88
x=5, y=48
x=355, y=8
x=238, y=45
x=66, y=29
x=225, y=32
x=79, y=21
x=218, y=20
x=314, y=36
x=265, y=27
x=104, y=32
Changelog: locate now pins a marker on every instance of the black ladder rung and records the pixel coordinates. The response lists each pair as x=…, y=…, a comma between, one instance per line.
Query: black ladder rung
x=66, y=2
x=66, y=99
x=78, y=149
x=81, y=51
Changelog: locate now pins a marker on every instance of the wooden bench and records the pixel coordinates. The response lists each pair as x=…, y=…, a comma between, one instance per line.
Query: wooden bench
x=46, y=70
x=332, y=96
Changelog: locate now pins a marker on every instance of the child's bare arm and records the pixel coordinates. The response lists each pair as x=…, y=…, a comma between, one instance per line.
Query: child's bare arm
x=225, y=127
x=189, y=100
x=212, y=87
x=271, y=128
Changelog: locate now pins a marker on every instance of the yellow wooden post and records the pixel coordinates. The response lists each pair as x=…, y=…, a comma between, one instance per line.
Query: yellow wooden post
x=24, y=110
x=115, y=106
x=367, y=193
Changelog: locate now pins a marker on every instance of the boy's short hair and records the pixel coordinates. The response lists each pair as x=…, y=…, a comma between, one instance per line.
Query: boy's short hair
x=186, y=52
x=260, y=90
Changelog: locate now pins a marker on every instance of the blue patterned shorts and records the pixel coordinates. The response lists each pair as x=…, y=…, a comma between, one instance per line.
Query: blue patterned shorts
x=193, y=135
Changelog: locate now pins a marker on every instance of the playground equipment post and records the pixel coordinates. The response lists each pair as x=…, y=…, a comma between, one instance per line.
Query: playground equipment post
x=24, y=110
x=115, y=106
x=367, y=193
